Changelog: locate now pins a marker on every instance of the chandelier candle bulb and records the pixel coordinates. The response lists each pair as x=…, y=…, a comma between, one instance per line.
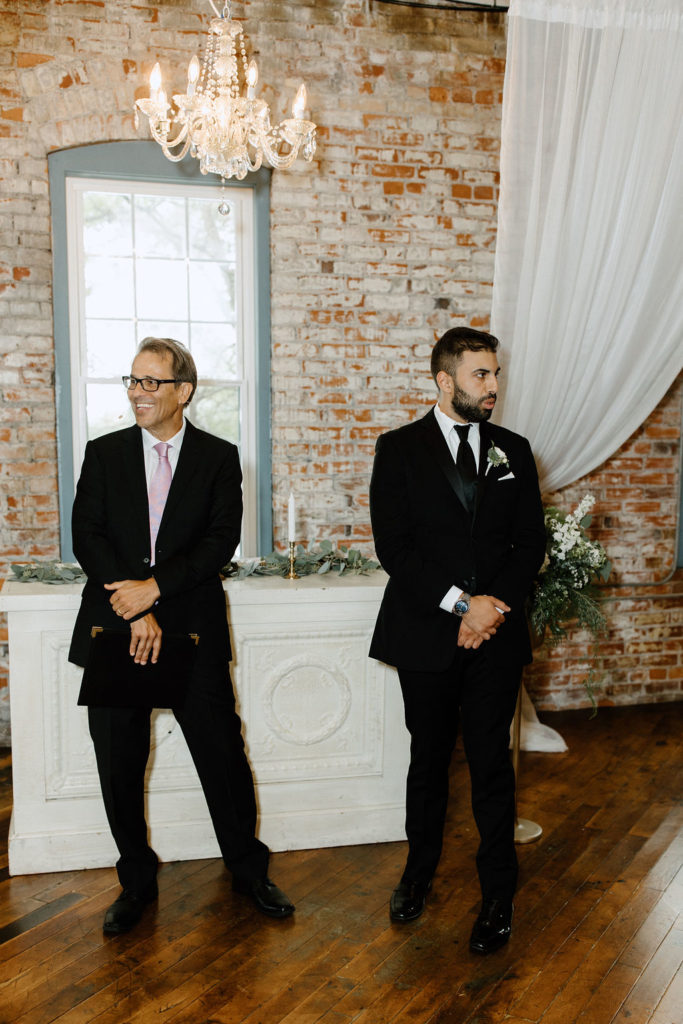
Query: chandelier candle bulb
x=155, y=83
x=299, y=104
x=192, y=75
x=252, y=79
x=155, y=77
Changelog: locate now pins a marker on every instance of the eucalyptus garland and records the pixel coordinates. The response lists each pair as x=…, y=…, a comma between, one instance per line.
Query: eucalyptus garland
x=316, y=561
x=54, y=573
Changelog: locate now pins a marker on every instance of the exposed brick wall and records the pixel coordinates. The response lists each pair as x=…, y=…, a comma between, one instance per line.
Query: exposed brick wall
x=380, y=245
x=383, y=245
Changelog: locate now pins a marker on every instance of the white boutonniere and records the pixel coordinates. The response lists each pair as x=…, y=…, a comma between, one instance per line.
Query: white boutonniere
x=496, y=457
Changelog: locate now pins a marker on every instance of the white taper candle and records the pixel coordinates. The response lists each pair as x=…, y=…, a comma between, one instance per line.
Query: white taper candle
x=291, y=519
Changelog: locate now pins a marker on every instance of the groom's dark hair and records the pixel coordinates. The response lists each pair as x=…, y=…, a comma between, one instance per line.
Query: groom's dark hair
x=448, y=350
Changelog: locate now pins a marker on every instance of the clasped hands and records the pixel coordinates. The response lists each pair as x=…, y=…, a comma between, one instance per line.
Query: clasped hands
x=129, y=598
x=481, y=621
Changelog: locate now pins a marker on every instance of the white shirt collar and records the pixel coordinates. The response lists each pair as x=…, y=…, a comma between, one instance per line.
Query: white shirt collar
x=446, y=424
x=149, y=440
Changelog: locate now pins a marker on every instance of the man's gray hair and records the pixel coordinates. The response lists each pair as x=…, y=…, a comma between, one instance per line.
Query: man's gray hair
x=184, y=369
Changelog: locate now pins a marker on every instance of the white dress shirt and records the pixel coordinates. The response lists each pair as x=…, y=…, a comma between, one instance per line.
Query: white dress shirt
x=447, y=426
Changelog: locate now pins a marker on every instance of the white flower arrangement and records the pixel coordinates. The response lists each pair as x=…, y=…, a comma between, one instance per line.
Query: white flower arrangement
x=572, y=565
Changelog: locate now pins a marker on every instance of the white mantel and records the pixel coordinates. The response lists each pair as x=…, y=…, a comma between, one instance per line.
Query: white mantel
x=323, y=726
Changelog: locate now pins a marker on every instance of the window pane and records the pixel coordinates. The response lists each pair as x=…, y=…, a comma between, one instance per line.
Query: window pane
x=160, y=226
x=214, y=347
x=176, y=329
x=107, y=224
x=110, y=347
x=108, y=287
x=161, y=289
x=107, y=408
x=217, y=409
x=212, y=291
x=212, y=236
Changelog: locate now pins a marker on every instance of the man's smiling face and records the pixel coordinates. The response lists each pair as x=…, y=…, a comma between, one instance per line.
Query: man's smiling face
x=160, y=412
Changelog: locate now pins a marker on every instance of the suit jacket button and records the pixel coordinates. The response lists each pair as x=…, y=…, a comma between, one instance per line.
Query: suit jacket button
x=146, y=561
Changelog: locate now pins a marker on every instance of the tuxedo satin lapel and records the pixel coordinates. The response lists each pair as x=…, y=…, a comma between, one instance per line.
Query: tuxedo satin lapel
x=488, y=475
x=134, y=469
x=188, y=459
x=442, y=453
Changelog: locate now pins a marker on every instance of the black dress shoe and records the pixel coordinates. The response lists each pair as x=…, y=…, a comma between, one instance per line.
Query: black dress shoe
x=265, y=895
x=493, y=926
x=408, y=900
x=126, y=911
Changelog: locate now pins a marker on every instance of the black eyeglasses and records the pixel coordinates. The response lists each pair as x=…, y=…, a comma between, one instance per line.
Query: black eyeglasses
x=146, y=383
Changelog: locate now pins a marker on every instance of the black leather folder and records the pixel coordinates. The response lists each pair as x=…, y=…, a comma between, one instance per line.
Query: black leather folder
x=112, y=679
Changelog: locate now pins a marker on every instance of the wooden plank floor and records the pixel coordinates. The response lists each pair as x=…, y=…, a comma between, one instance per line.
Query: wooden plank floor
x=598, y=934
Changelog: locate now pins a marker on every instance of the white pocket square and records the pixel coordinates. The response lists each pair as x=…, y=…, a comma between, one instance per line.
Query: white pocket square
x=508, y=476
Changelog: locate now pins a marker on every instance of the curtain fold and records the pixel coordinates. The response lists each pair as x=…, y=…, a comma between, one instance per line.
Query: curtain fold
x=588, y=284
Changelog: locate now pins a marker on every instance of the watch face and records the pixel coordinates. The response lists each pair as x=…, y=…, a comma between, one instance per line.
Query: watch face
x=462, y=607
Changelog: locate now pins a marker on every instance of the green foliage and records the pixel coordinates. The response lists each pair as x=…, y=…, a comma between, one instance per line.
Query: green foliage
x=323, y=559
x=54, y=573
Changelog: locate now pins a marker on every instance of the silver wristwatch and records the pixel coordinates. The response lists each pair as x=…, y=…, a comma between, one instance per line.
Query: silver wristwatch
x=462, y=605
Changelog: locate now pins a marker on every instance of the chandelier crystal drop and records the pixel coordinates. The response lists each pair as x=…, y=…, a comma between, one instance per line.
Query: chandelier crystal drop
x=228, y=133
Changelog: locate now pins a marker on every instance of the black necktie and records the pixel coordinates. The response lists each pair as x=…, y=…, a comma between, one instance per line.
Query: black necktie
x=466, y=466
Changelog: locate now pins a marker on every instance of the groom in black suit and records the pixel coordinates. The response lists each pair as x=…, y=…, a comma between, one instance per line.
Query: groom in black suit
x=157, y=514
x=458, y=526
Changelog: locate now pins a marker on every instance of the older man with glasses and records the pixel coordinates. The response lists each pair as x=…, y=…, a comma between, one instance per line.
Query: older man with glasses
x=157, y=513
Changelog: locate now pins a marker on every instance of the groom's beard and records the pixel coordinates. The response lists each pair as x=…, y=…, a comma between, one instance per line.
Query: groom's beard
x=468, y=408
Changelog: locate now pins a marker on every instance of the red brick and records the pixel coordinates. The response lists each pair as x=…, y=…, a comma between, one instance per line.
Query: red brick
x=30, y=60
x=392, y=171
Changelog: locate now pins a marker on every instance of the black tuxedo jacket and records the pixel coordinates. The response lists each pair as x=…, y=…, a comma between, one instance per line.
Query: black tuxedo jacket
x=197, y=536
x=427, y=542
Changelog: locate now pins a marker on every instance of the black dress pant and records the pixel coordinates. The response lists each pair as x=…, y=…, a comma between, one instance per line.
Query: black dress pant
x=481, y=697
x=213, y=733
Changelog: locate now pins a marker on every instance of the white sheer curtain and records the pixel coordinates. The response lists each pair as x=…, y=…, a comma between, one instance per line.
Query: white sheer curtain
x=588, y=287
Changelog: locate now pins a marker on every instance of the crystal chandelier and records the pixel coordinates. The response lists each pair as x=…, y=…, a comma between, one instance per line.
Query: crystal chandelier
x=228, y=133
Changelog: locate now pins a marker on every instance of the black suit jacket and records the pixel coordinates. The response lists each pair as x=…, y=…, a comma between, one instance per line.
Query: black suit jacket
x=427, y=542
x=197, y=536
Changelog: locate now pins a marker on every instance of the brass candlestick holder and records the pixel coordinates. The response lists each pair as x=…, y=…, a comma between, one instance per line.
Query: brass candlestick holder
x=292, y=574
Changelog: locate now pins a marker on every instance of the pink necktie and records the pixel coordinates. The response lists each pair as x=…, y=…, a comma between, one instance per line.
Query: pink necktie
x=158, y=492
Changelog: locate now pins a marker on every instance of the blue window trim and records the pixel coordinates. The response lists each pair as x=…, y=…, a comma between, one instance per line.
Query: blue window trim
x=144, y=161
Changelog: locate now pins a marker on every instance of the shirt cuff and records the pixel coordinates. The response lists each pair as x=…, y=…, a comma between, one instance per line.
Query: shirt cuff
x=450, y=599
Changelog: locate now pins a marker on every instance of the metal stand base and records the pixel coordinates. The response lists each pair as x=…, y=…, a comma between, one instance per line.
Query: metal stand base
x=525, y=831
